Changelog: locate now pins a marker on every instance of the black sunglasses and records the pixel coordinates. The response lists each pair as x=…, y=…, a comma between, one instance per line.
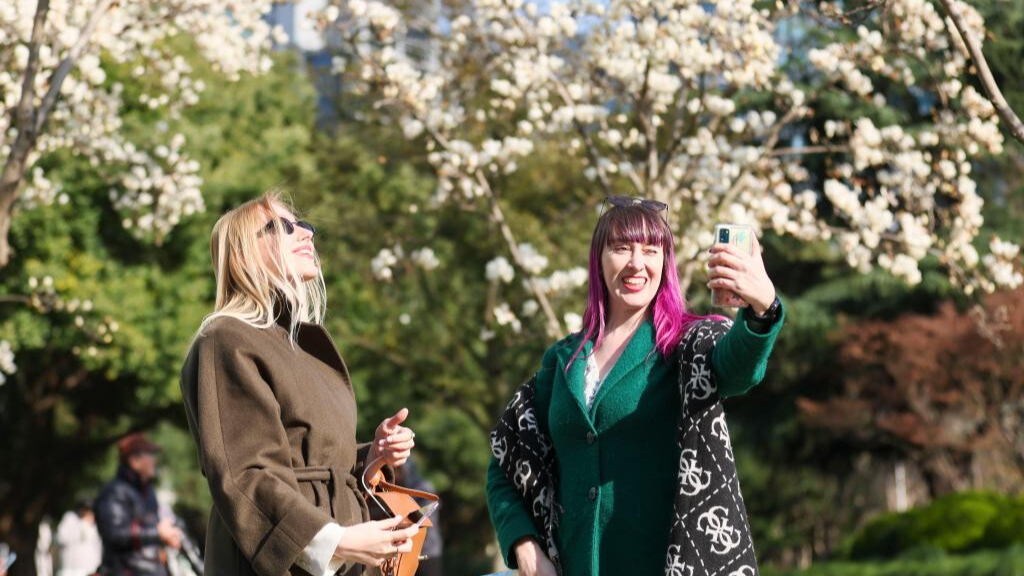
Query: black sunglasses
x=289, y=226
x=630, y=201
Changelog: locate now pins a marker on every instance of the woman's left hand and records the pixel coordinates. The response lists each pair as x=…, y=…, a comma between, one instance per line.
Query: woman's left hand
x=392, y=440
x=730, y=269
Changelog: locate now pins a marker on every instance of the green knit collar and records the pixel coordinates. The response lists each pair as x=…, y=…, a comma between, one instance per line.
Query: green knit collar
x=636, y=353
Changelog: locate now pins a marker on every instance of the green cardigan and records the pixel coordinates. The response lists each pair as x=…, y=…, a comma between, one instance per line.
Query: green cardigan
x=617, y=462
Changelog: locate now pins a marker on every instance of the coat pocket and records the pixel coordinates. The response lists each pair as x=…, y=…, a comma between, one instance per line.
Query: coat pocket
x=317, y=484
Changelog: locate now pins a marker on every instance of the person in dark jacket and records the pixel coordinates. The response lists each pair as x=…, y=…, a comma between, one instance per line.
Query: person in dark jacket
x=127, y=515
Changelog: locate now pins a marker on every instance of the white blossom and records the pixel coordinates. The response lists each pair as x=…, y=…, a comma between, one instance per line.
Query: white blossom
x=533, y=261
x=530, y=307
x=425, y=258
x=564, y=280
x=499, y=269
x=7, y=365
x=573, y=322
x=504, y=316
x=382, y=263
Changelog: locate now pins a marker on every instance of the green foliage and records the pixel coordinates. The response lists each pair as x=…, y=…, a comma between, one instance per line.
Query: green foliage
x=922, y=562
x=958, y=522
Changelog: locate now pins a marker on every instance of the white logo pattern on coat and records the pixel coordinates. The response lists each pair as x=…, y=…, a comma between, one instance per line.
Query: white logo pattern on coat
x=674, y=565
x=715, y=523
x=700, y=386
x=692, y=478
x=721, y=431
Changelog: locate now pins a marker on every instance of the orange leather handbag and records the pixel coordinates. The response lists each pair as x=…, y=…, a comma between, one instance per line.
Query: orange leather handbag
x=386, y=500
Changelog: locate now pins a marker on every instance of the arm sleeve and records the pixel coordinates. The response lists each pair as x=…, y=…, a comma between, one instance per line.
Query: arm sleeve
x=508, y=513
x=318, y=557
x=740, y=358
x=245, y=454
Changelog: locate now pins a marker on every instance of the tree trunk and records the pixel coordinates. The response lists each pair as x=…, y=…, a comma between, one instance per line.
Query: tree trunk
x=33, y=478
x=10, y=182
x=24, y=120
x=40, y=464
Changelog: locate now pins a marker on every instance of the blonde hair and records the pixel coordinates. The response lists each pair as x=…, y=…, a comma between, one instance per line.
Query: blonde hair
x=247, y=288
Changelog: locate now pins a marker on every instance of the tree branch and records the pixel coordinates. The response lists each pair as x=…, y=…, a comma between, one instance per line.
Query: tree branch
x=69, y=61
x=24, y=122
x=676, y=139
x=802, y=150
x=769, y=144
x=1013, y=122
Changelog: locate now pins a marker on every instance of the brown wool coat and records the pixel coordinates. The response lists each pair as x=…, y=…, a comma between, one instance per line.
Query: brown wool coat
x=275, y=430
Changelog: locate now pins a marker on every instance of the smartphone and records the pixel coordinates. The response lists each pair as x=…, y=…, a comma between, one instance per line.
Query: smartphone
x=742, y=237
x=419, y=516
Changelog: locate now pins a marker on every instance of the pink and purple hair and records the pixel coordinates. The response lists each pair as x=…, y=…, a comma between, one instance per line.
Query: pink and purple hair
x=636, y=224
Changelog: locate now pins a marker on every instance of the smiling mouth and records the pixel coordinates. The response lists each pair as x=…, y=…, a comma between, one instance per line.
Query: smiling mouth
x=305, y=251
x=634, y=283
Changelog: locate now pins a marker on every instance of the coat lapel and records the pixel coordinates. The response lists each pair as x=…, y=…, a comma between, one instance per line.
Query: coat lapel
x=573, y=379
x=637, y=352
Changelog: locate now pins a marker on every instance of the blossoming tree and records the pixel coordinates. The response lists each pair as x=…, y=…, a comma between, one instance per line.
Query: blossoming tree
x=726, y=111
x=54, y=95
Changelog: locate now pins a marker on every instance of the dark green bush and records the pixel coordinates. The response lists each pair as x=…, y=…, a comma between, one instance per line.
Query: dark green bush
x=962, y=522
x=923, y=562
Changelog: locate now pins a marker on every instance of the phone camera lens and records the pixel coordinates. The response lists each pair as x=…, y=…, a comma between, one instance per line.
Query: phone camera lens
x=723, y=235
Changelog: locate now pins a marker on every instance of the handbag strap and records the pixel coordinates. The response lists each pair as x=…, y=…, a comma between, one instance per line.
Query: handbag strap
x=373, y=481
x=389, y=487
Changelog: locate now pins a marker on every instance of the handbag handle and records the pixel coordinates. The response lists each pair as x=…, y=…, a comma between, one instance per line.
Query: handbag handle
x=374, y=482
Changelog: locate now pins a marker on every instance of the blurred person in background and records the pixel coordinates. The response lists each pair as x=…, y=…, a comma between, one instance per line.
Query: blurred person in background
x=79, y=548
x=272, y=410
x=128, y=514
x=44, y=549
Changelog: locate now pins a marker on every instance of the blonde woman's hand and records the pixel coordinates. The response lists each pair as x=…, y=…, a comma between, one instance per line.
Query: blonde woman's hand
x=371, y=543
x=393, y=441
x=729, y=268
x=532, y=560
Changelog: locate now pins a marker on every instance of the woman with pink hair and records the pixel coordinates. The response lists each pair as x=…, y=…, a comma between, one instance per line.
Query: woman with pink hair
x=614, y=458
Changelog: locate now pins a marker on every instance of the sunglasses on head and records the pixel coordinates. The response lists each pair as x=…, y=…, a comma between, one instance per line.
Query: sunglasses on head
x=630, y=201
x=288, y=225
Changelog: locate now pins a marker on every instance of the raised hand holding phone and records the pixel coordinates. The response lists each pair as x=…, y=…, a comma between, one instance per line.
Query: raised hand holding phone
x=736, y=273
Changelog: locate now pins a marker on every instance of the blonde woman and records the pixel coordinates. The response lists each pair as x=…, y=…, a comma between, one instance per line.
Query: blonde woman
x=271, y=408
